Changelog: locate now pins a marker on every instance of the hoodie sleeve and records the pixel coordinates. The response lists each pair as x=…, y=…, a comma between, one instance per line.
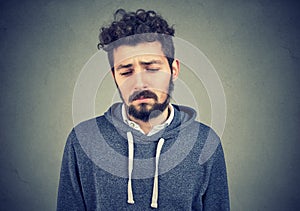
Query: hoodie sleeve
x=70, y=195
x=216, y=196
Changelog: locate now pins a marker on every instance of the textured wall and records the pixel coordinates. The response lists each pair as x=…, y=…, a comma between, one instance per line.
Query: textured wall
x=254, y=46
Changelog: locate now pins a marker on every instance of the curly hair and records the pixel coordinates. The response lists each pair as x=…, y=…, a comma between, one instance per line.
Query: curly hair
x=132, y=28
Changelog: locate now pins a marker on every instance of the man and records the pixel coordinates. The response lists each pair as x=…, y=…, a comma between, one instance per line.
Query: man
x=156, y=155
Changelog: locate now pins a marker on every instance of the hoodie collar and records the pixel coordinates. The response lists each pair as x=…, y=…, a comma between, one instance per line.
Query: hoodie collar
x=183, y=116
x=155, y=129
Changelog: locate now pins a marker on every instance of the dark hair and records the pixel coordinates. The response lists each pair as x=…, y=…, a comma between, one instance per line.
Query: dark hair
x=132, y=28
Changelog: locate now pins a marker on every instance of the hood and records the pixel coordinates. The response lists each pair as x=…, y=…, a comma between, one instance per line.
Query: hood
x=183, y=116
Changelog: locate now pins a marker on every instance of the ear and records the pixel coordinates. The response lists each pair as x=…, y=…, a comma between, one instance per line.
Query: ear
x=175, y=68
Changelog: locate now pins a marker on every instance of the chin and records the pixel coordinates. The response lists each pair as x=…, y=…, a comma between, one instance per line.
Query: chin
x=145, y=107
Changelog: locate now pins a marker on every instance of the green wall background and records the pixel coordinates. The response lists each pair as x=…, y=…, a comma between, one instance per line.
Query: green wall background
x=254, y=46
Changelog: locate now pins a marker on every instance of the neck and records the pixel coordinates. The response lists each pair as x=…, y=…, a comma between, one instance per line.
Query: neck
x=147, y=126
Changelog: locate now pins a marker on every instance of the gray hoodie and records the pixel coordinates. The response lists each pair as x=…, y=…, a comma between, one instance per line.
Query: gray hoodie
x=108, y=165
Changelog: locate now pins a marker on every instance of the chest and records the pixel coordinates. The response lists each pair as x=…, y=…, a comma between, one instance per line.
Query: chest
x=178, y=188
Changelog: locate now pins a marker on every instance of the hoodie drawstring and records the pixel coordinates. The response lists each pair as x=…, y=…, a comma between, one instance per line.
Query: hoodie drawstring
x=155, y=185
x=130, y=167
x=130, y=200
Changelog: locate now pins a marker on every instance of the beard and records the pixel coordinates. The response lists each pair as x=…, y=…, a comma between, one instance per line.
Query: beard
x=145, y=111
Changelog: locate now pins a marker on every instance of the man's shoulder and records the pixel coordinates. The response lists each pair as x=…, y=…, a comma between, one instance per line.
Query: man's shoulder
x=90, y=121
x=203, y=127
x=190, y=115
x=204, y=131
x=87, y=126
x=88, y=132
x=107, y=117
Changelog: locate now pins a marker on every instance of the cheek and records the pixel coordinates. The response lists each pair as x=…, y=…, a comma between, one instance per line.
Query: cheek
x=125, y=88
x=161, y=82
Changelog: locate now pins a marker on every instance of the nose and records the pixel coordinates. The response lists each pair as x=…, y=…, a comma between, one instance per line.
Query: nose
x=140, y=81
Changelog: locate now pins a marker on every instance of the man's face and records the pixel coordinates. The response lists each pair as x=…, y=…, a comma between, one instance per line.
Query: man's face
x=143, y=76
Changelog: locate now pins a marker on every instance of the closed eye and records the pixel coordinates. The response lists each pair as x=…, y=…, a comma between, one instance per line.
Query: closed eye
x=126, y=73
x=152, y=69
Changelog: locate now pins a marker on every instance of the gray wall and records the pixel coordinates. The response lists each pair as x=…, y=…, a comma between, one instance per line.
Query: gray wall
x=254, y=46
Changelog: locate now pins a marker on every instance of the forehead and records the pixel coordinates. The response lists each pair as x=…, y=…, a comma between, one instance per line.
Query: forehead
x=145, y=50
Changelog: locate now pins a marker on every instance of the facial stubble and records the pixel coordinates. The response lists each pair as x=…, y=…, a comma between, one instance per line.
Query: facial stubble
x=145, y=111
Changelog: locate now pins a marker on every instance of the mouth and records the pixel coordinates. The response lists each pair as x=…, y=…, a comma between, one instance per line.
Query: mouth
x=143, y=96
x=142, y=100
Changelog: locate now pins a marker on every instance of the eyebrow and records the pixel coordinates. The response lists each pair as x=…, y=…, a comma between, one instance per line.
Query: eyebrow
x=124, y=66
x=151, y=62
x=121, y=66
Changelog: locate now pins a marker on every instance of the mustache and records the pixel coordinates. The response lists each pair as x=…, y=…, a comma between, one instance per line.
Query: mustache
x=145, y=94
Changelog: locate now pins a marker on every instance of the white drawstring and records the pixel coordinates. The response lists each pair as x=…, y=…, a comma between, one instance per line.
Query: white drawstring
x=130, y=167
x=155, y=185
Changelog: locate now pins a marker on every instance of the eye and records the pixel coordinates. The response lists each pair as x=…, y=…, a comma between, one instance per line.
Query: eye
x=152, y=69
x=126, y=73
